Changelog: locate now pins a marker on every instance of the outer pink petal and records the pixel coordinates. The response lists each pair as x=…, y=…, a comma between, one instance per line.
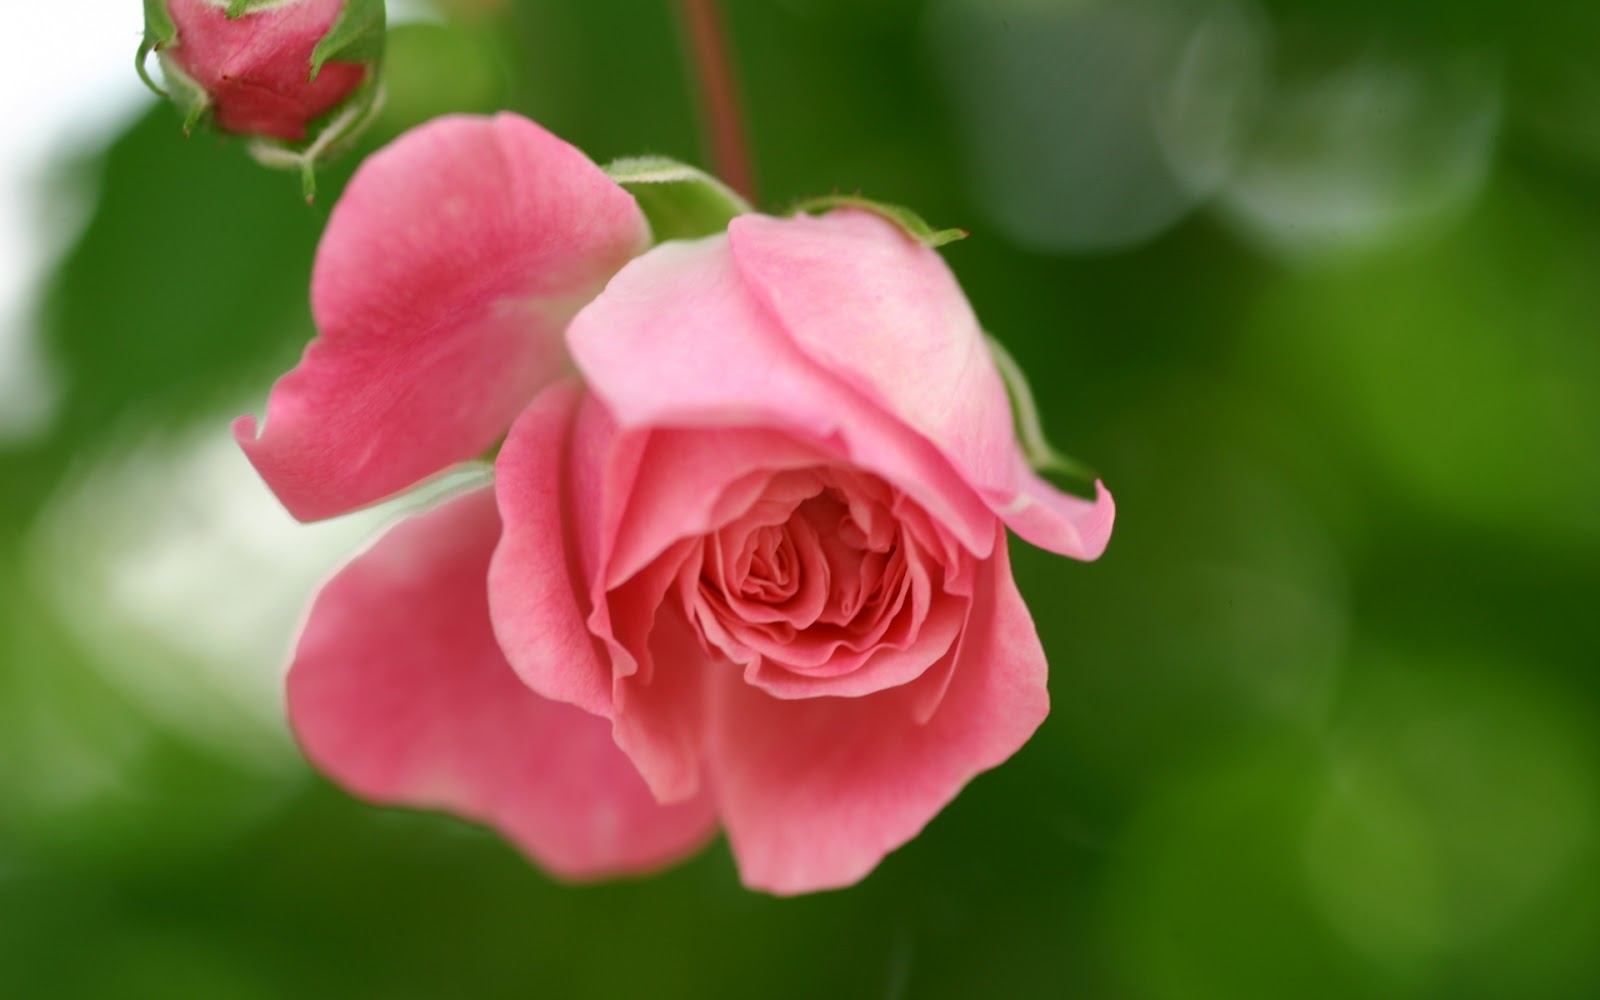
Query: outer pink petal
x=443, y=284
x=1044, y=516
x=676, y=339
x=864, y=300
x=814, y=793
x=399, y=692
x=550, y=482
x=538, y=589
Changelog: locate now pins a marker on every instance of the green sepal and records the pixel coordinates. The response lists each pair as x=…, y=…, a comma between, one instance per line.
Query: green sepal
x=1065, y=473
x=357, y=36
x=681, y=202
x=188, y=96
x=914, y=225
x=239, y=8
x=159, y=31
x=328, y=137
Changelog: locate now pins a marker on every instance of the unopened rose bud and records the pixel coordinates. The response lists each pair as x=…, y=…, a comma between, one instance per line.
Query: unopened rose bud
x=298, y=77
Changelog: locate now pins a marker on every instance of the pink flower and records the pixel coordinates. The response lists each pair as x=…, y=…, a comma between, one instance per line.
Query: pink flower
x=259, y=73
x=750, y=569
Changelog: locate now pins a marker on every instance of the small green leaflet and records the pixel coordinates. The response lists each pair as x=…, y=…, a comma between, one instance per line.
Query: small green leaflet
x=681, y=202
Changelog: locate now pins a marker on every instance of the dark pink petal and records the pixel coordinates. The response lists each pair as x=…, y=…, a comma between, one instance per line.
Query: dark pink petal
x=551, y=478
x=815, y=792
x=676, y=339
x=660, y=722
x=399, y=692
x=537, y=585
x=442, y=286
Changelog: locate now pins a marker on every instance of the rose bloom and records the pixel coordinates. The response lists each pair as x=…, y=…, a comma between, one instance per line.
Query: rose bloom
x=744, y=561
x=255, y=70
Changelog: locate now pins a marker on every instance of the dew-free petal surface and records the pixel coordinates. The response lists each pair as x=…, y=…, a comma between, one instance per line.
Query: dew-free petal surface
x=537, y=591
x=676, y=339
x=865, y=300
x=399, y=692
x=813, y=793
x=442, y=286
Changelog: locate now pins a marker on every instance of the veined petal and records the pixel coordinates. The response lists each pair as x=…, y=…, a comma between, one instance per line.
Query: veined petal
x=441, y=291
x=399, y=692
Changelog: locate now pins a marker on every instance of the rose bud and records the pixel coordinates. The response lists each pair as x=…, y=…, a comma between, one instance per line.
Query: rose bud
x=298, y=77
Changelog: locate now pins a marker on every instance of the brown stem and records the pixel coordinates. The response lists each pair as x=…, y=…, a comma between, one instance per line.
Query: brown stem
x=719, y=95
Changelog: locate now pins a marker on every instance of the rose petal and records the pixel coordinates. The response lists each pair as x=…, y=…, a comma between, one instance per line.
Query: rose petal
x=537, y=594
x=400, y=693
x=864, y=300
x=868, y=302
x=660, y=723
x=1044, y=516
x=814, y=793
x=552, y=503
x=681, y=488
x=676, y=339
x=448, y=271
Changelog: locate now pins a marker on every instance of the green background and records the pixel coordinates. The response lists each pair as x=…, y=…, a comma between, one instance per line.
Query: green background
x=1325, y=715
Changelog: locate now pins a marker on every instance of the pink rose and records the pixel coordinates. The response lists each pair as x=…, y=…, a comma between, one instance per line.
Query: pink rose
x=751, y=569
x=254, y=72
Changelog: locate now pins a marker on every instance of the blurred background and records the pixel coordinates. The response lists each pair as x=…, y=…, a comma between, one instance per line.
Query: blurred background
x=1312, y=284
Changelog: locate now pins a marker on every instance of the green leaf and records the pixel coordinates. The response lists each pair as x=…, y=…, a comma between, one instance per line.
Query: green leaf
x=1065, y=473
x=914, y=225
x=357, y=36
x=681, y=202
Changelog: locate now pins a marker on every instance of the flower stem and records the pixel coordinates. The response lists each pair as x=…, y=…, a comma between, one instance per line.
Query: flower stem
x=724, y=125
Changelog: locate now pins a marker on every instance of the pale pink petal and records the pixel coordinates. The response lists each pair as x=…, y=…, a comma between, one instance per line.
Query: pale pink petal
x=676, y=339
x=442, y=286
x=858, y=674
x=814, y=793
x=1044, y=516
x=682, y=487
x=868, y=302
x=865, y=300
x=538, y=594
x=399, y=692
